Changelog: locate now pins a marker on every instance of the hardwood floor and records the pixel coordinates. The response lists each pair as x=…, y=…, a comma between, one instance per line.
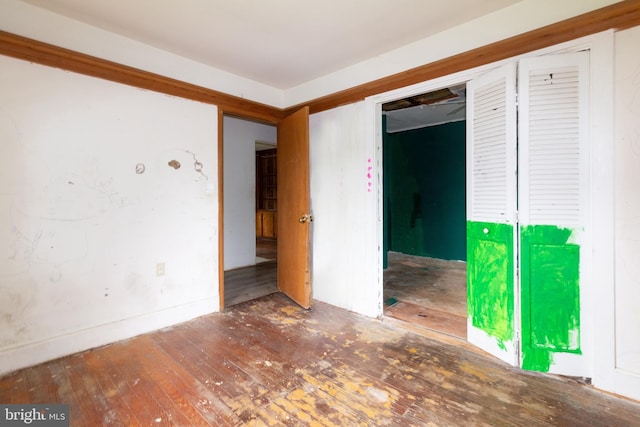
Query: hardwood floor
x=269, y=362
x=427, y=292
x=267, y=248
x=247, y=283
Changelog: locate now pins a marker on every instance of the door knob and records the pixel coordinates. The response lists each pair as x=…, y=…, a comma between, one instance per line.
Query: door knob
x=305, y=218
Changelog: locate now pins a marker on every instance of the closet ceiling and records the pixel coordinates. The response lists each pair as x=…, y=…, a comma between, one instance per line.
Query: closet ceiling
x=434, y=108
x=281, y=43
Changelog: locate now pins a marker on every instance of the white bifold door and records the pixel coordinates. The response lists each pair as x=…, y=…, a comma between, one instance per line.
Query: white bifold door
x=527, y=206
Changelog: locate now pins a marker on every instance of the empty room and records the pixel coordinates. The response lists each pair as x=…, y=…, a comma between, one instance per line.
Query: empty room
x=216, y=212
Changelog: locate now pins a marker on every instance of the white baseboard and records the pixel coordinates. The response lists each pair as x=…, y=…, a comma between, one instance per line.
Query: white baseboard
x=42, y=351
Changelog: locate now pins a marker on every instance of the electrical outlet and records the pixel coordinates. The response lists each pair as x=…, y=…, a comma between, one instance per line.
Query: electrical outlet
x=160, y=269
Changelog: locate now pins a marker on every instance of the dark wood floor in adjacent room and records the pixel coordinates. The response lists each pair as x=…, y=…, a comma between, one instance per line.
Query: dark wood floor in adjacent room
x=255, y=281
x=247, y=283
x=269, y=362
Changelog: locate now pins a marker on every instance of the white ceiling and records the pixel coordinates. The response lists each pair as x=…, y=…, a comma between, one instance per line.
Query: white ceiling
x=281, y=43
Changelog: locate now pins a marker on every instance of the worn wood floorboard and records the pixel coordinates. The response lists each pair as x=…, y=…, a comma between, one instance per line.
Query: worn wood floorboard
x=267, y=248
x=428, y=292
x=269, y=362
x=247, y=283
x=427, y=317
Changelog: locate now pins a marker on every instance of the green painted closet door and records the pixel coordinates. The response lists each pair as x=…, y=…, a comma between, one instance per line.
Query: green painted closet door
x=550, y=295
x=491, y=212
x=490, y=272
x=553, y=198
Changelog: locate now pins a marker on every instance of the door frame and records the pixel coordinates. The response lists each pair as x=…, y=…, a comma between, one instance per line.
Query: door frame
x=600, y=338
x=373, y=117
x=277, y=123
x=221, y=113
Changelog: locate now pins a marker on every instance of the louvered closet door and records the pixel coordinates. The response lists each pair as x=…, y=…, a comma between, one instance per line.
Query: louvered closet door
x=491, y=205
x=553, y=198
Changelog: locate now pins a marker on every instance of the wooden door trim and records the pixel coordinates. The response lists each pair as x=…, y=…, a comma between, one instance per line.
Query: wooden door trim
x=46, y=54
x=221, y=207
x=222, y=112
x=618, y=16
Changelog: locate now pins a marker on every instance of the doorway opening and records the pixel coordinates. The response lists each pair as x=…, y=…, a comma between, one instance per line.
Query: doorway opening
x=266, y=201
x=237, y=138
x=250, y=219
x=424, y=203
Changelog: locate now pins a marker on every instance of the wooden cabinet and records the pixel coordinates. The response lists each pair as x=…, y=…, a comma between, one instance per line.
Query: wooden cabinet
x=266, y=180
x=266, y=224
x=266, y=193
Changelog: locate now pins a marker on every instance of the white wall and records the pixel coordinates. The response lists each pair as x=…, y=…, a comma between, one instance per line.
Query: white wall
x=345, y=264
x=240, y=138
x=81, y=232
x=627, y=211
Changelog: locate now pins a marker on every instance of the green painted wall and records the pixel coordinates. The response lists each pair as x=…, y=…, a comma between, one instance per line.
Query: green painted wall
x=490, y=279
x=424, y=187
x=550, y=289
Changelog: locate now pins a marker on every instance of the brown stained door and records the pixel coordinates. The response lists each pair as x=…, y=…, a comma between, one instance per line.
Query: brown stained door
x=294, y=241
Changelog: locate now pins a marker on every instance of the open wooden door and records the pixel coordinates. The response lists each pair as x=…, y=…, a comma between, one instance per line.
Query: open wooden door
x=294, y=216
x=491, y=213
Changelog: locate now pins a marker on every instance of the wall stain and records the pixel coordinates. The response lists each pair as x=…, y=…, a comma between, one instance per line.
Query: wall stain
x=197, y=165
x=14, y=309
x=56, y=274
x=25, y=246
